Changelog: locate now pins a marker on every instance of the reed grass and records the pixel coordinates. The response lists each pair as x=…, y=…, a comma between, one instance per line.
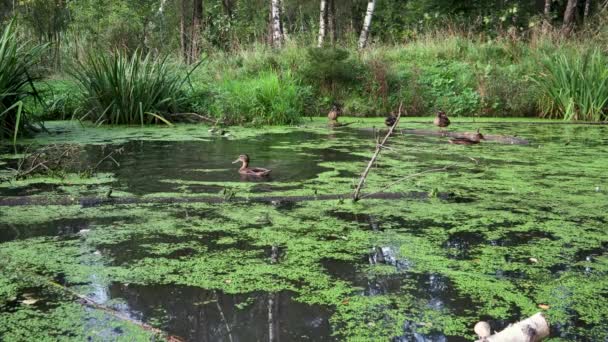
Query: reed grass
x=17, y=76
x=122, y=89
x=574, y=85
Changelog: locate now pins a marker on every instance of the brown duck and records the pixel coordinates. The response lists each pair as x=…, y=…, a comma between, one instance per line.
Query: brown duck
x=335, y=112
x=390, y=120
x=471, y=139
x=441, y=120
x=250, y=171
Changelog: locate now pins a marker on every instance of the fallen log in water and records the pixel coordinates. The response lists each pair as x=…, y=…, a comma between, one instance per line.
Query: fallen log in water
x=532, y=329
x=98, y=201
x=503, y=139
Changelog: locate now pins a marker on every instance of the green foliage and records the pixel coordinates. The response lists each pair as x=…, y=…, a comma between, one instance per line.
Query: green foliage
x=574, y=85
x=17, y=74
x=129, y=90
x=268, y=98
x=330, y=67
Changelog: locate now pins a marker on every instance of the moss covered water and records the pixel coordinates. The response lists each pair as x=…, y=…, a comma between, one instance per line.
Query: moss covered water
x=506, y=231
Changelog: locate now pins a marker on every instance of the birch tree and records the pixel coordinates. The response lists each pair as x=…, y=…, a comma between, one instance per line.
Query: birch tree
x=371, y=5
x=322, y=23
x=569, y=14
x=277, y=34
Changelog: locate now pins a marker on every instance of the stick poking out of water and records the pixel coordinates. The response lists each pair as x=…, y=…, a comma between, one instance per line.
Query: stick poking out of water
x=356, y=195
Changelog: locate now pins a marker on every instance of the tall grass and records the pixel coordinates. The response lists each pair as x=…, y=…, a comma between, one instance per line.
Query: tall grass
x=119, y=89
x=17, y=62
x=575, y=85
x=267, y=98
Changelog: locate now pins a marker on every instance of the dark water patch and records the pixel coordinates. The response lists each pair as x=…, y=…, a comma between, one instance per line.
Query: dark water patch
x=365, y=220
x=29, y=190
x=267, y=188
x=205, y=315
x=381, y=223
x=137, y=246
x=370, y=285
x=460, y=244
x=144, y=165
x=388, y=255
x=517, y=238
x=66, y=227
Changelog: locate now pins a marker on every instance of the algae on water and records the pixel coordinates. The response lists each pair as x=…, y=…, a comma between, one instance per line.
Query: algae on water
x=512, y=230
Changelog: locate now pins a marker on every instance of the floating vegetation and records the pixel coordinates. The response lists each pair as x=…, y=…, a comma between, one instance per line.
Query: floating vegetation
x=517, y=230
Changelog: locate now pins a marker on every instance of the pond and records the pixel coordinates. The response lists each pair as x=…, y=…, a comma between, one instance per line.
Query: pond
x=492, y=232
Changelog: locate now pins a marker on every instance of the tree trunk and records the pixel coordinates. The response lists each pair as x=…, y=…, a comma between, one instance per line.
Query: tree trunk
x=227, y=7
x=569, y=14
x=197, y=24
x=277, y=34
x=283, y=19
x=183, y=39
x=371, y=5
x=331, y=22
x=587, y=9
x=322, y=23
x=547, y=11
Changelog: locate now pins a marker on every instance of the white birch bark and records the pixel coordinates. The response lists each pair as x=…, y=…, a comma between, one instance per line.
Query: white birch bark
x=277, y=34
x=322, y=23
x=371, y=5
x=547, y=11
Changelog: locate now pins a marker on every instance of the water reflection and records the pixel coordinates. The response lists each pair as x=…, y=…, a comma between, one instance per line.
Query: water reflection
x=206, y=315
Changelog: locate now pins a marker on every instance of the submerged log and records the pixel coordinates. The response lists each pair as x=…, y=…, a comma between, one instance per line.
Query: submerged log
x=275, y=200
x=532, y=329
x=503, y=139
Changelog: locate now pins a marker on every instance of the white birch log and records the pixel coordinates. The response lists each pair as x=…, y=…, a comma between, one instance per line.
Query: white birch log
x=532, y=329
x=367, y=23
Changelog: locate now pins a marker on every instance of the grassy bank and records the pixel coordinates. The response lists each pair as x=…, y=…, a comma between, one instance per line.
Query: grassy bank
x=465, y=76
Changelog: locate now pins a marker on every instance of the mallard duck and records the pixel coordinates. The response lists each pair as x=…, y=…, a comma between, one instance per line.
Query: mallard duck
x=335, y=112
x=441, y=120
x=472, y=139
x=390, y=120
x=250, y=171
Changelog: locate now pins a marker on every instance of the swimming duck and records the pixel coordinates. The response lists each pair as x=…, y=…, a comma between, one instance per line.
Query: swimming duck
x=250, y=171
x=441, y=120
x=390, y=120
x=335, y=112
x=468, y=140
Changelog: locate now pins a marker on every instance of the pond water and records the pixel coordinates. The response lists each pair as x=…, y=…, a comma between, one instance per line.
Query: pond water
x=503, y=232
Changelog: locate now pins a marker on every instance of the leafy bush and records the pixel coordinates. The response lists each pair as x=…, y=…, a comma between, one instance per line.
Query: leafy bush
x=17, y=78
x=265, y=99
x=451, y=87
x=129, y=90
x=574, y=85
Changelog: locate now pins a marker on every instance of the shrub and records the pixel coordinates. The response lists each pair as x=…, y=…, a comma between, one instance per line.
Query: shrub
x=17, y=78
x=574, y=85
x=329, y=68
x=128, y=90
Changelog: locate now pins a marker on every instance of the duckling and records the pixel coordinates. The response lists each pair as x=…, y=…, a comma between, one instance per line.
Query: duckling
x=441, y=120
x=468, y=140
x=335, y=112
x=250, y=171
x=390, y=120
